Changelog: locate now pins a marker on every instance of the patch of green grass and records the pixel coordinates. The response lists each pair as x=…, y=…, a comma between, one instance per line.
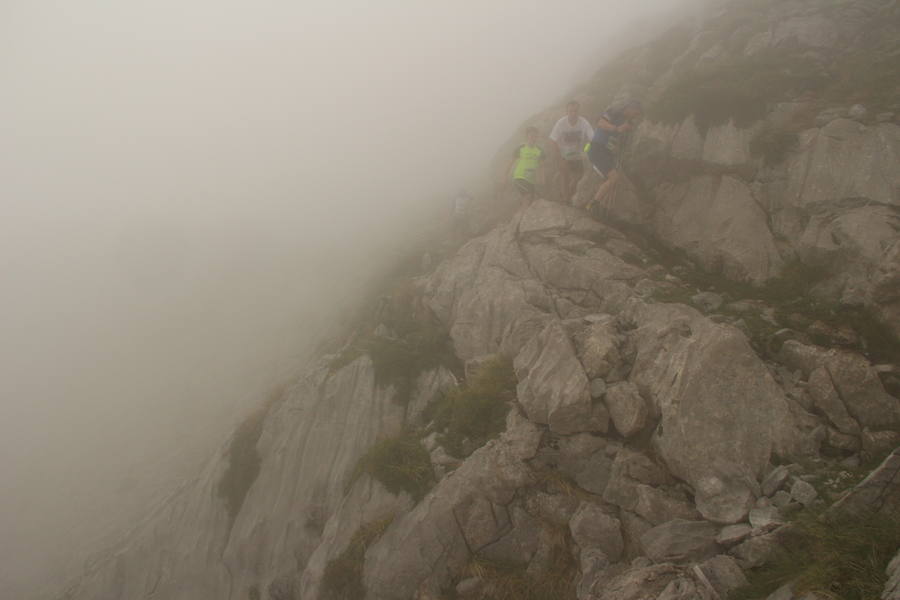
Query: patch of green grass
x=399, y=361
x=510, y=581
x=343, y=577
x=470, y=415
x=739, y=90
x=774, y=144
x=243, y=463
x=839, y=556
x=401, y=464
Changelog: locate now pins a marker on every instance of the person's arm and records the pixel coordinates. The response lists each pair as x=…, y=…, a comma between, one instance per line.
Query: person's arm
x=605, y=124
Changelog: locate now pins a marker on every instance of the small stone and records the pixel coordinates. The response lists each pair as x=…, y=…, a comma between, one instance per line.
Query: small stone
x=733, y=534
x=843, y=441
x=763, y=502
x=803, y=492
x=774, y=480
x=782, y=499
x=592, y=528
x=885, y=117
x=598, y=388
x=626, y=407
x=851, y=462
x=707, y=301
x=469, y=586
x=765, y=518
x=680, y=540
x=875, y=444
x=857, y=112
x=641, y=562
x=785, y=592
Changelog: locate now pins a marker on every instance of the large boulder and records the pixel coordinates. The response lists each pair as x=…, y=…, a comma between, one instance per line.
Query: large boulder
x=553, y=388
x=721, y=413
x=592, y=528
x=717, y=221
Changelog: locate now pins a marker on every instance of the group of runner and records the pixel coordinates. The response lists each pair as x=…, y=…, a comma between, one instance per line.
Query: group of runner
x=571, y=138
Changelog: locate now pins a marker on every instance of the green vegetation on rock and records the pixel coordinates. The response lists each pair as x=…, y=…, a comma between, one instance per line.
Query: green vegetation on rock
x=343, y=577
x=243, y=462
x=506, y=581
x=836, y=556
x=470, y=415
x=401, y=464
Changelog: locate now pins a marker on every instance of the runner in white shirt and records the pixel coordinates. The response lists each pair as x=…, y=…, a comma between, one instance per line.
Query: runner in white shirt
x=570, y=135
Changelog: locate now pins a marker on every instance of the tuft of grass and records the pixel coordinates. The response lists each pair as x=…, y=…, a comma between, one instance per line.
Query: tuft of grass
x=243, y=462
x=842, y=557
x=774, y=144
x=401, y=463
x=343, y=579
x=510, y=581
x=399, y=361
x=470, y=415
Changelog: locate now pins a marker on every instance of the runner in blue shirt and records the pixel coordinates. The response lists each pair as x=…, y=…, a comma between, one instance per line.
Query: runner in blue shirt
x=604, y=151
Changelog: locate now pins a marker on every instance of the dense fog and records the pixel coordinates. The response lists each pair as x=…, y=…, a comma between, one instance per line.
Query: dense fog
x=192, y=191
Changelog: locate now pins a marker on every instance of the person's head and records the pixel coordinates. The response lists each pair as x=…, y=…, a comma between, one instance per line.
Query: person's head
x=632, y=109
x=531, y=135
x=572, y=109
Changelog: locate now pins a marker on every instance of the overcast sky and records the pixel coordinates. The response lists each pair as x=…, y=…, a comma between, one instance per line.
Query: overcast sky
x=189, y=188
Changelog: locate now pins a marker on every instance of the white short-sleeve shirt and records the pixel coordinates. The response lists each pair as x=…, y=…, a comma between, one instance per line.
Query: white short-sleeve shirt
x=570, y=138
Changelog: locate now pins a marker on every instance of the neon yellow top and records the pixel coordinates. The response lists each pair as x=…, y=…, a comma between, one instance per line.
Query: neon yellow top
x=528, y=160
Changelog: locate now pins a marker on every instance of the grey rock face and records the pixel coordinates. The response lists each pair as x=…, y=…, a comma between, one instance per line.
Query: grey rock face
x=704, y=383
x=427, y=545
x=826, y=399
x=879, y=492
x=553, y=388
x=593, y=529
x=733, y=534
x=680, y=540
x=892, y=587
x=717, y=221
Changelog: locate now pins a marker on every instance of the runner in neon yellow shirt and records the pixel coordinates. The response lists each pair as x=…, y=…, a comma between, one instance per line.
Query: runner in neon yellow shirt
x=527, y=165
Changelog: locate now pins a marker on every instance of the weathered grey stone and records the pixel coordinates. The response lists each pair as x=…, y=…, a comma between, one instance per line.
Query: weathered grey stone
x=724, y=499
x=519, y=545
x=775, y=480
x=826, y=399
x=842, y=441
x=722, y=573
x=803, y=492
x=469, y=586
x=633, y=527
x=657, y=507
x=637, y=584
x=733, y=534
x=785, y=592
x=878, y=443
x=701, y=395
x=598, y=347
x=598, y=389
x=707, y=301
x=892, y=587
x=556, y=509
x=765, y=518
x=680, y=540
x=782, y=499
x=717, y=221
x=593, y=563
x=857, y=112
x=626, y=407
x=594, y=529
x=630, y=469
x=756, y=551
x=679, y=589
x=553, y=388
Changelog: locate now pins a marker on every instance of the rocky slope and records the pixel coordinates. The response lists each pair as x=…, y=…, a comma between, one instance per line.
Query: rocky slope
x=689, y=369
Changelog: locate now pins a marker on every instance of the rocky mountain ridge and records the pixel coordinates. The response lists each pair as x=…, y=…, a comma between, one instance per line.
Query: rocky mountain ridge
x=615, y=408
